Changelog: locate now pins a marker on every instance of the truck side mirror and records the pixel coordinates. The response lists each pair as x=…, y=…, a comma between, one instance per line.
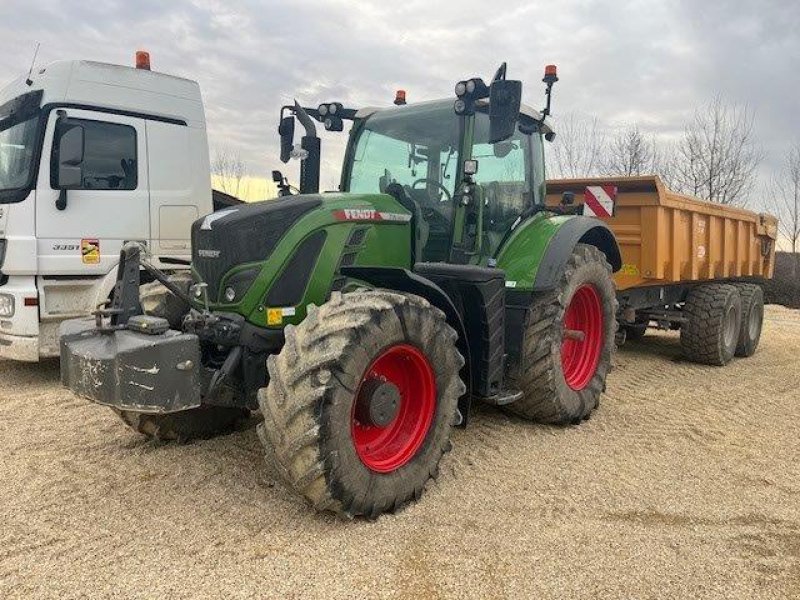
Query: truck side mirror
x=286, y=131
x=505, y=99
x=70, y=158
x=69, y=169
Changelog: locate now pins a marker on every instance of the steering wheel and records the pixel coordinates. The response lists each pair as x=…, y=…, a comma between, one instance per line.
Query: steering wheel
x=434, y=182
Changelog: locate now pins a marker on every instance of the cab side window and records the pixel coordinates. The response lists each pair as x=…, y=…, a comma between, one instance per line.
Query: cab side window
x=109, y=157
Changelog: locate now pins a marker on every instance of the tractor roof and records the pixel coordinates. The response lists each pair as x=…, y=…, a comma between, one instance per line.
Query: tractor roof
x=368, y=111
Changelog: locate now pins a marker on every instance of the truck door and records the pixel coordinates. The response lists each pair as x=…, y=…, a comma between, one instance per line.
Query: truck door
x=110, y=205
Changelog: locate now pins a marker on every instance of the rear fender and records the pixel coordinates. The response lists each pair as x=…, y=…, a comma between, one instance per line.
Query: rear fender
x=535, y=255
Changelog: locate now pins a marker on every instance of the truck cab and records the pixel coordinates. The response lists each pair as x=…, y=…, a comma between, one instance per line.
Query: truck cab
x=92, y=156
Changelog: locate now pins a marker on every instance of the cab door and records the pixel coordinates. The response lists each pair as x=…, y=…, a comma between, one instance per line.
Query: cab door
x=109, y=202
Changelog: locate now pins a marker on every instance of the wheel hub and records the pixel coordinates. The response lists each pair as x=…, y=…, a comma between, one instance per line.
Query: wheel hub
x=393, y=408
x=378, y=403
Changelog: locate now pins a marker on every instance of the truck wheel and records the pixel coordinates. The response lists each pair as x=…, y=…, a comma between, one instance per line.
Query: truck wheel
x=711, y=332
x=196, y=423
x=361, y=401
x=158, y=301
x=567, y=345
x=752, y=318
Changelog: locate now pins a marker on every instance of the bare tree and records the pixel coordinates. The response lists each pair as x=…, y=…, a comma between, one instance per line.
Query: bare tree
x=785, y=193
x=576, y=150
x=230, y=172
x=629, y=153
x=717, y=157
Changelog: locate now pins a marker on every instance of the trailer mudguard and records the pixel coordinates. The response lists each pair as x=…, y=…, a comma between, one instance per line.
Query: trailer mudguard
x=534, y=256
x=403, y=280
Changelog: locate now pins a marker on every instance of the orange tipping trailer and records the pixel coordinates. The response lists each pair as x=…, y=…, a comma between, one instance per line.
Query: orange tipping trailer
x=686, y=264
x=668, y=238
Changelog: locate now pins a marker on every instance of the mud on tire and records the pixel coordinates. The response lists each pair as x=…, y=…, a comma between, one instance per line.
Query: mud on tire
x=711, y=332
x=547, y=397
x=197, y=423
x=309, y=404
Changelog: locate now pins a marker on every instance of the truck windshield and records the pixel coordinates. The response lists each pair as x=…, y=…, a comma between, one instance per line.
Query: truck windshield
x=17, y=143
x=19, y=123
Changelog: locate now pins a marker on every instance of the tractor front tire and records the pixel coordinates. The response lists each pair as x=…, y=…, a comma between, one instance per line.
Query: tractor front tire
x=567, y=344
x=752, y=318
x=711, y=333
x=361, y=401
x=196, y=423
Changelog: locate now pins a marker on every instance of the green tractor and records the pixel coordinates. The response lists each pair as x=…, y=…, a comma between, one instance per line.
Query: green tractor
x=363, y=323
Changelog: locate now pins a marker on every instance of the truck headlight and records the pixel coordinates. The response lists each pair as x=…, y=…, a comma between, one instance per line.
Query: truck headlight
x=6, y=305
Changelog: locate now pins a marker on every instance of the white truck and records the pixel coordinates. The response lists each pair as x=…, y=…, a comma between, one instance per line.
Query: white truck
x=91, y=156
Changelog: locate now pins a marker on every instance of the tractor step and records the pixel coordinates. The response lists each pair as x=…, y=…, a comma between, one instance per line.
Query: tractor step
x=504, y=397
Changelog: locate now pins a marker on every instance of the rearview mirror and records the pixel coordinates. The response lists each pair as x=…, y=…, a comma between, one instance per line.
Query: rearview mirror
x=505, y=99
x=286, y=131
x=70, y=158
x=503, y=149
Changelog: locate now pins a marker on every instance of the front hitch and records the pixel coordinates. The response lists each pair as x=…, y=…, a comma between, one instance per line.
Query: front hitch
x=127, y=360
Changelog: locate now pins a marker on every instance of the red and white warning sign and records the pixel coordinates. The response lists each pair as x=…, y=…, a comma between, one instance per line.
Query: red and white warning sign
x=598, y=200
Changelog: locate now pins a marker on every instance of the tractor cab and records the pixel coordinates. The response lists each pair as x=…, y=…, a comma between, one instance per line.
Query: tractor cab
x=466, y=171
x=414, y=152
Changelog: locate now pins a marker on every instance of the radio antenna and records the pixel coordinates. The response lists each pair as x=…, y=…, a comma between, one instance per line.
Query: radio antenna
x=29, y=81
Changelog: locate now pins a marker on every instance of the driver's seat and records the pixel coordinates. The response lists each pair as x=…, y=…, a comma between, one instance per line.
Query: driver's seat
x=419, y=226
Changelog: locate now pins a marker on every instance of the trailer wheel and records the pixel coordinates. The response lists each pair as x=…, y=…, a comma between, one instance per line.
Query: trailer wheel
x=711, y=332
x=752, y=318
x=196, y=423
x=361, y=401
x=567, y=345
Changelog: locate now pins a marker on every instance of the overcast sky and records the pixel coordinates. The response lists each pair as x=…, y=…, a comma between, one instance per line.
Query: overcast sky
x=649, y=62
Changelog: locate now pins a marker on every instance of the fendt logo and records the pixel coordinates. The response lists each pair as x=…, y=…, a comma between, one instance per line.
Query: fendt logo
x=369, y=214
x=208, y=253
x=360, y=214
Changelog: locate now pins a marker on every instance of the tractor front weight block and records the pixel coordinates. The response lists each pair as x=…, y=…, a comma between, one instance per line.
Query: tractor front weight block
x=131, y=371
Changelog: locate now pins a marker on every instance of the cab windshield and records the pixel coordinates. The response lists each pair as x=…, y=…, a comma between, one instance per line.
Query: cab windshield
x=19, y=121
x=16, y=154
x=415, y=150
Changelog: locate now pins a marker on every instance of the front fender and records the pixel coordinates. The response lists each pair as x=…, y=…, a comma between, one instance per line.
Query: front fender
x=534, y=256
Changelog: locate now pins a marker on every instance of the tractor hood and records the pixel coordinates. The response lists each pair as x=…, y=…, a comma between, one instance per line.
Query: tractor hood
x=243, y=234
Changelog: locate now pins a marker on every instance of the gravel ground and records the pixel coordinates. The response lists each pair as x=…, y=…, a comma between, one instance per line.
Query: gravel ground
x=685, y=483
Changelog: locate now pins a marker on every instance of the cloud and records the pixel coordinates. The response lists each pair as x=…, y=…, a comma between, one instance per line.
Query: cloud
x=628, y=61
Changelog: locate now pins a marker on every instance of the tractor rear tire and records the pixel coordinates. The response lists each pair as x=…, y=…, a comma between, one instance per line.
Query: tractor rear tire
x=158, y=301
x=752, y=318
x=361, y=401
x=711, y=333
x=196, y=423
x=561, y=378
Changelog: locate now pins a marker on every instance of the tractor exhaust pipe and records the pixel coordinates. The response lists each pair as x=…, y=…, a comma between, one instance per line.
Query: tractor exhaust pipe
x=310, y=163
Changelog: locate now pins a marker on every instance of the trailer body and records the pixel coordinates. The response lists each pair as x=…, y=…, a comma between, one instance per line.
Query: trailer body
x=667, y=238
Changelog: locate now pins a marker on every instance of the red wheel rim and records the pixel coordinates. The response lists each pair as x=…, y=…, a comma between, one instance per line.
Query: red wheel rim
x=387, y=448
x=583, y=337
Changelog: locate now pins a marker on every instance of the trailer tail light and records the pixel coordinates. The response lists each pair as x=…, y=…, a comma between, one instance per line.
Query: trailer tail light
x=143, y=60
x=31, y=302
